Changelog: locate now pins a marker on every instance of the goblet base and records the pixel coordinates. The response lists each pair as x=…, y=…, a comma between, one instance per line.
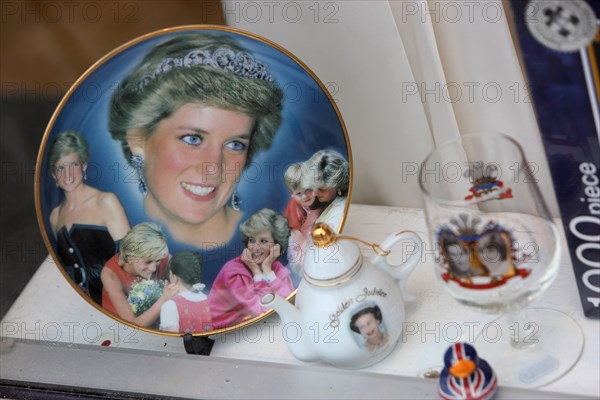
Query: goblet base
x=533, y=351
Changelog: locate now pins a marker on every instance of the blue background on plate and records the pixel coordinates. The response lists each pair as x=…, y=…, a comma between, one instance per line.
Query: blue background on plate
x=309, y=123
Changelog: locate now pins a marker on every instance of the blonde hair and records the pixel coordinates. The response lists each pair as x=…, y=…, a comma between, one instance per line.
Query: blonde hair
x=142, y=108
x=267, y=220
x=146, y=241
x=66, y=143
x=298, y=176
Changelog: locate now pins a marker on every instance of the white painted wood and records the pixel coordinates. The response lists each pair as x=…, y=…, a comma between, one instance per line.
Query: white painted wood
x=49, y=309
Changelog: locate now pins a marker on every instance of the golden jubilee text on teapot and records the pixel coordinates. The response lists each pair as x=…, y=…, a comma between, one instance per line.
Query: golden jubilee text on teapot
x=334, y=318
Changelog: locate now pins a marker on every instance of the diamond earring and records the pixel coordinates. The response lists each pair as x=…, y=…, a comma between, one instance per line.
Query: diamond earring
x=137, y=162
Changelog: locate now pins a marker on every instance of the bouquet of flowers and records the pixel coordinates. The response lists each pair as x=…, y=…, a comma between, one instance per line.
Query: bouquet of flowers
x=144, y=293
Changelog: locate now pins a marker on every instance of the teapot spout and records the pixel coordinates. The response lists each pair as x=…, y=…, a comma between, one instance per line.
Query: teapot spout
x=302, y=349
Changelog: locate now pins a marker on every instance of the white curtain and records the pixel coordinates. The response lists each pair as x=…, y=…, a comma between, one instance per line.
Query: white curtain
x=409, y=74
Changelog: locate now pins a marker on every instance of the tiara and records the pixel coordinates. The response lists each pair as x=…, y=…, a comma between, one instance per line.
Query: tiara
x=240, y=63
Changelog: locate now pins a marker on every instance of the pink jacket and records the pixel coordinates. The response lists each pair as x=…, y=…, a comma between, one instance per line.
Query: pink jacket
x=235, y=296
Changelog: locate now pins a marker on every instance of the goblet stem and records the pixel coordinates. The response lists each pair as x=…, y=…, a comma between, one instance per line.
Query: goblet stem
x=524, y=332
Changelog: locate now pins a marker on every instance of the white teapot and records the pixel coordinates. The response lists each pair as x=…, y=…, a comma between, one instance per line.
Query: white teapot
x=349, y=311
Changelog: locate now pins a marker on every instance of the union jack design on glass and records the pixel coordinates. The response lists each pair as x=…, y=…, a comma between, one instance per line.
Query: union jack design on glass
x=493, y=188
x=486, y=186
x=477, y=255
x=465, y=375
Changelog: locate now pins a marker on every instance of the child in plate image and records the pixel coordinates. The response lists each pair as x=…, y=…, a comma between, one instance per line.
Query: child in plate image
x=242, y=282
x=190, y=118
x=302, y=211
x=88, y=223
x=332, y=174
x=367, y=322
x=143, y=256
x=189, y=310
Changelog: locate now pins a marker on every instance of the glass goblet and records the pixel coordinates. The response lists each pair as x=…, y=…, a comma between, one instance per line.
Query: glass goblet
x=498, y=250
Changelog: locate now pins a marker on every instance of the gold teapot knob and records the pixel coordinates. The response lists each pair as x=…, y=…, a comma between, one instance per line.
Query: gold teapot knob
x=322, y=235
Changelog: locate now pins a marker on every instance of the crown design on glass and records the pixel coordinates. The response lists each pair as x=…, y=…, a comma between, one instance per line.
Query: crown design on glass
x=479, y=171
x=465, y=227
x=486, y=185
x=240, y=63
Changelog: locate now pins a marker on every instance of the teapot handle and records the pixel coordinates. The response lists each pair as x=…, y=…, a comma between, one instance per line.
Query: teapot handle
x=402, y=271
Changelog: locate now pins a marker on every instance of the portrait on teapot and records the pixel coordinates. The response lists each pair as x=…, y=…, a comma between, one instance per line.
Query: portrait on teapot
x=371, y=332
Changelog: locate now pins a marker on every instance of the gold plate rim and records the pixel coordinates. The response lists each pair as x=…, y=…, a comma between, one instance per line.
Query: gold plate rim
x=98, y=64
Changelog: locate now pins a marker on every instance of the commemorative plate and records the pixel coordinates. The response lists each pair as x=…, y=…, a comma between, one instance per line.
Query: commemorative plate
x=178, y=179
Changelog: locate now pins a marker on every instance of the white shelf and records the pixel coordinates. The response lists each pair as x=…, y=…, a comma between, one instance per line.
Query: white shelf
x=255, y=359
